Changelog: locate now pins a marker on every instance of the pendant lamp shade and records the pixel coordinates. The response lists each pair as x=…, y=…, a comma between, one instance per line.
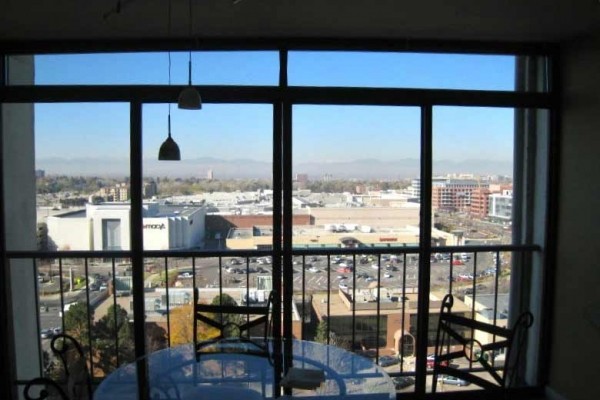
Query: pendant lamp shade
x=169, y=151
x=189, y=99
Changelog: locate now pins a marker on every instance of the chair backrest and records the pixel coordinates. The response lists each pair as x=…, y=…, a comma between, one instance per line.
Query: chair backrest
x=451, y=332
x=70, y=353
x=233, y=322
x=43, y=389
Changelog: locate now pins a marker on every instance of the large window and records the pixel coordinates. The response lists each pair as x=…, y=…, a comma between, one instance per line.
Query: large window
x=342, y=224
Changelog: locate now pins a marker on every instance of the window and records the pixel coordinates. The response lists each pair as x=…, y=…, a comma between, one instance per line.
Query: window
x=327, y=193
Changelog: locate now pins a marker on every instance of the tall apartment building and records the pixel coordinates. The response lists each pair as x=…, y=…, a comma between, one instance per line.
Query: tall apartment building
x=454, y=194
x=479, y=202
x=119, y=192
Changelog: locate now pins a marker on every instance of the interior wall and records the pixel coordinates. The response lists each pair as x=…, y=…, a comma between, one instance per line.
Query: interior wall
x=20, y=217
x=576, y=316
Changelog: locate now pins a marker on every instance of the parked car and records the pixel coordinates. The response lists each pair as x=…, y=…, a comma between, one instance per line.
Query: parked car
x=452, y=380
x=343, y=286
x=386, y=361
x=401, y=382
x=387, y=275
x=313, y=269
x=431, y=361
x=46, y=333
x=374, y=266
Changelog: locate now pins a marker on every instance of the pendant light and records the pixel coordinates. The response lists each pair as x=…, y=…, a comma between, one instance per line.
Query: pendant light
x=189, y=98
x=169, y=151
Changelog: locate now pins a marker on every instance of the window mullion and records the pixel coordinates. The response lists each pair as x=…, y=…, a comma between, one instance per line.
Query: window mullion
x=424, y=249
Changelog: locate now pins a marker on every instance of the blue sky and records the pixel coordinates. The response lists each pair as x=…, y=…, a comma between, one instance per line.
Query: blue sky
x=322, y=133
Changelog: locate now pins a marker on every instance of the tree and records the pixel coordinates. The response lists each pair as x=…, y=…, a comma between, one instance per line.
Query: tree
x=230, y=320
x=334, y=339
x=115, y=324
x=321, y=334
x=182, y=326
x=76, y=322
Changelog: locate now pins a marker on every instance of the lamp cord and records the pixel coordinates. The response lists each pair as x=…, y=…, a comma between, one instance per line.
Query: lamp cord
x=190, y=53
x=169, y=58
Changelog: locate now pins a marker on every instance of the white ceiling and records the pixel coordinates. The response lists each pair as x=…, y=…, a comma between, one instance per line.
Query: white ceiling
x=495, y=20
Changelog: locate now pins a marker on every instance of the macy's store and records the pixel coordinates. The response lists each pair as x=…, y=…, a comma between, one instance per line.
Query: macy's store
x=106, y=227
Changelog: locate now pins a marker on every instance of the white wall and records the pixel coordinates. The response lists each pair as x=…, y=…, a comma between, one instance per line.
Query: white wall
x=156, y=234
x=575, y=348
x=117, y=212
x=70, y=233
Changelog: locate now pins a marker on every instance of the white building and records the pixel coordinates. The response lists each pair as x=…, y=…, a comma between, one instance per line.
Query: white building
x=106, y=227
x=500, y=205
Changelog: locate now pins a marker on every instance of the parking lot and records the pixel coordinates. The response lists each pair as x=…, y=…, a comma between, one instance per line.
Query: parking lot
x=322, y=273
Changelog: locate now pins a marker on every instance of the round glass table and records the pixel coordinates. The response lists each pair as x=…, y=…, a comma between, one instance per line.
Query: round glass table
x=176, y=373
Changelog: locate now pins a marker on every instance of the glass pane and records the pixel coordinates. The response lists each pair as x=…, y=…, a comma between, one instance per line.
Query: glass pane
x=208, y=68
x=82, y=176
x=472, y=191
x=402, y=70
x=220, y=193
x=217, y=197
x=472, y=187
x=352, y=166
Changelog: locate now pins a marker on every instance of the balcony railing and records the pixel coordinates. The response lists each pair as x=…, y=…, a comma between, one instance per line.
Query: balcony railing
x=362, y=299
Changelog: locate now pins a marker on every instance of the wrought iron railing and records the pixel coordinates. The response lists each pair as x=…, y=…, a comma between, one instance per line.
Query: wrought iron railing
x=358, y=298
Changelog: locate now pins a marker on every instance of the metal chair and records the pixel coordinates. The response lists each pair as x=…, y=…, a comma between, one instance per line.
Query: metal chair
x=78, y=382
x=43, y=389
x=450, y=327
x=232, y=321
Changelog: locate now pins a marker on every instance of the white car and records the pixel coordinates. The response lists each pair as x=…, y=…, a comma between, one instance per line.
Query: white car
x=452, y=380
x=313, y=269
x=343, y=285
x=374, y=266
x=387, y=275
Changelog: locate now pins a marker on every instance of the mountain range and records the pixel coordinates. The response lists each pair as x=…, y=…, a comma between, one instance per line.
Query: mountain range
x=247, y=168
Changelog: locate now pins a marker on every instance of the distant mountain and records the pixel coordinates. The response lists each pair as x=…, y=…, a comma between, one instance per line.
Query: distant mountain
x=246, y=168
